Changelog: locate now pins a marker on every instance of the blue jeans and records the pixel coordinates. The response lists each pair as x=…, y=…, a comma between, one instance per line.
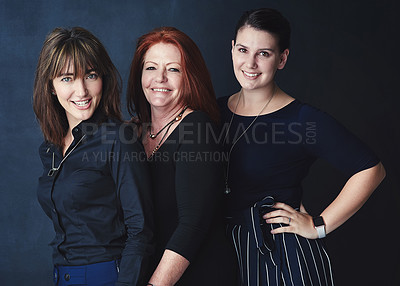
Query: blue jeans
x=97, y=274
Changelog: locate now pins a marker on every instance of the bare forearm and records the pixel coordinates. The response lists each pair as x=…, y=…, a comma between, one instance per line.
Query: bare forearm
x=352, y=197
x=170, y=269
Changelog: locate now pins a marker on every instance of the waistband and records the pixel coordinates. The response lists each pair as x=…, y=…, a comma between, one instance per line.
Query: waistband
x=240, y=217
x=72, y=275
x=258, y=228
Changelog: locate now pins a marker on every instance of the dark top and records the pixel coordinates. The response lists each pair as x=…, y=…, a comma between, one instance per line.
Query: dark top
x=187, y=179
x=277, y=151
x=99, y=199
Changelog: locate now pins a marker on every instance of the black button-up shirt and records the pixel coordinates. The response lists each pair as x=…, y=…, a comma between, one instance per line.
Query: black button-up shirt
x=99, y=198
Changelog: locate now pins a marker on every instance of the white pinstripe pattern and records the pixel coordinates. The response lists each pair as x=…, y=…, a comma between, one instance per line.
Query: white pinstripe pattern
x=270, y=252
x=283, y=279
x=272, y=259
x=254, y=259
x=238, y=254
x=240, y=250
x=323, y=266
x=254, y=227
x=248, y=261
x=301, y=271
x=304, y=258
x=330, y=267
x=287, y=258
x=315, y=263
x=267, y=272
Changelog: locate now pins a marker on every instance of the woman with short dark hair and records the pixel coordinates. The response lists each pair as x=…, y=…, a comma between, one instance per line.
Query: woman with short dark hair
x=271, y=140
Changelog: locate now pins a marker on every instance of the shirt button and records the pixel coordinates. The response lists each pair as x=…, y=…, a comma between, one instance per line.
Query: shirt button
x=54, y=210
x=67, y=277
x=76, y=129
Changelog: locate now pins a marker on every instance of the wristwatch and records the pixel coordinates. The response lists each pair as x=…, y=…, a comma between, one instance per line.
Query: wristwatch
x=319, y=225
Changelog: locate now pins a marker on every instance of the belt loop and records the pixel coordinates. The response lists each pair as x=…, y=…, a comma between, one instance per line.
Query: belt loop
x=117, y=263
x=56, y=275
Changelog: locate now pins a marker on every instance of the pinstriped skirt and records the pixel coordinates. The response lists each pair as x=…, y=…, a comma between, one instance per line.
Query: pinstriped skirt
x=293, y=260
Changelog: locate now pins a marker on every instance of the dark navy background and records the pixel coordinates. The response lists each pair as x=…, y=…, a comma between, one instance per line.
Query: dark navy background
x=344, y=59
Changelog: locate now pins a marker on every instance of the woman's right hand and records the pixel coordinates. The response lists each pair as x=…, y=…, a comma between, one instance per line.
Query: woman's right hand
x=298, y=222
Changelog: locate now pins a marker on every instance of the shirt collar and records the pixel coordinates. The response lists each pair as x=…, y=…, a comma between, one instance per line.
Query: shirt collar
x=90, y=126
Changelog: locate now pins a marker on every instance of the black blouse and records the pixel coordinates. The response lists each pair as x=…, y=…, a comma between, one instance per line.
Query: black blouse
x=99, y=198
x=187, y=177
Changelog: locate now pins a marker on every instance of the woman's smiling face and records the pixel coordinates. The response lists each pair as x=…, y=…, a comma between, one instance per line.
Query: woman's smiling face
x=256, y=57
x=79, y=96
x=162, y=75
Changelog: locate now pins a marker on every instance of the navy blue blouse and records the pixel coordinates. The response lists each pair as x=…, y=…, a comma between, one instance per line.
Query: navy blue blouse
x=99, y=199
x=276, y=152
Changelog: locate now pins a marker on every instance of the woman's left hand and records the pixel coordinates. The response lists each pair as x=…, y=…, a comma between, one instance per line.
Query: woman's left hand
x=297, y=222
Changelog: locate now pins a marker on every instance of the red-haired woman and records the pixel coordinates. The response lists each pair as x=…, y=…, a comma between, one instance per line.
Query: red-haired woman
x=95, y=192
x=171, y=93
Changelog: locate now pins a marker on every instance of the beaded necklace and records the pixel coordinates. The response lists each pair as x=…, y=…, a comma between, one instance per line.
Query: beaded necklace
x=168, y=126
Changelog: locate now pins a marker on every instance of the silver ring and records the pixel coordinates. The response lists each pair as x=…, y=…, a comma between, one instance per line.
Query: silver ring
x=290, y=220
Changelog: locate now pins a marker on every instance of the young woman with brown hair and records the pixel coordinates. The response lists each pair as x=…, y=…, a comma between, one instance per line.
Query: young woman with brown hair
x=93, y=189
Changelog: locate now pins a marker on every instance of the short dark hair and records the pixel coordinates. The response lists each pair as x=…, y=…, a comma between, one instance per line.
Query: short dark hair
x=80, y=48
x=269, y=20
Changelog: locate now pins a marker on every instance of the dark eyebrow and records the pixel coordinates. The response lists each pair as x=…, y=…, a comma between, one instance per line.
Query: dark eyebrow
x=71, y=74
x=66, y=74
x=243, y=46
x=265, y=49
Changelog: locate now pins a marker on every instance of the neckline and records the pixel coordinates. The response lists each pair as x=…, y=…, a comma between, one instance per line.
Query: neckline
x=173, y=132
x=261, y=115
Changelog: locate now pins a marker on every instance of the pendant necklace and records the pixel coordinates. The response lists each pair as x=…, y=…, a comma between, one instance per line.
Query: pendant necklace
x=55, y=169
x=227, y=188
x=168, y=126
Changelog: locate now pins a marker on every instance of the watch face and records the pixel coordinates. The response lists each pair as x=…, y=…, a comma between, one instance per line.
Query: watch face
x=318, y=221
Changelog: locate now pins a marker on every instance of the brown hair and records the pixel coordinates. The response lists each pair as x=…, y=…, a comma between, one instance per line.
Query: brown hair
x=82, y=49
x=197, y=90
